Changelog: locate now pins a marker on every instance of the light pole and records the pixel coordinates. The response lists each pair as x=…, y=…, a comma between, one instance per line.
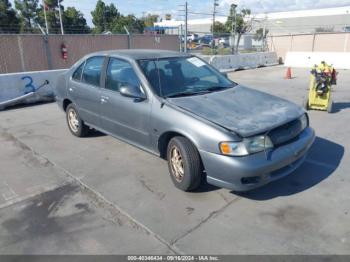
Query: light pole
x=264, y=33
x=186, y=26
x=44, y=7
x=60, y=13
x=213, y=29
x=234, y=26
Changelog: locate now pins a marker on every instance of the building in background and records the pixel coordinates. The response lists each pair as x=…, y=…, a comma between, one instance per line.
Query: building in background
x=305, y=21
x=198, y=26
x=291, y=22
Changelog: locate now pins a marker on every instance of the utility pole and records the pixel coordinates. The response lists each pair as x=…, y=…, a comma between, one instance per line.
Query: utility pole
x=233, y=26
x=181, y=34
x=264, y=33
x=44, y=7
x=186, y=25
x=60, y=13
x=214, y=14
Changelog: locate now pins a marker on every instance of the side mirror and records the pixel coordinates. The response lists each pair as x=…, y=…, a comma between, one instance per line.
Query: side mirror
x=132, y=92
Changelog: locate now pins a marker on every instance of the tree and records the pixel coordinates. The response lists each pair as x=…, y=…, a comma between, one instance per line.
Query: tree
x=103, y=17
x=28, y=14
x=107, y=18
x=150, y=19
x=133, y=25
x=242, y=23
x=219, y=28
x=9, y=22
x=259, y=34
x=74, y=22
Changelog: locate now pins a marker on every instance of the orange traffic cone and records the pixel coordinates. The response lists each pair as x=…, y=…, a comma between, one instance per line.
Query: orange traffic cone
x=289, y=73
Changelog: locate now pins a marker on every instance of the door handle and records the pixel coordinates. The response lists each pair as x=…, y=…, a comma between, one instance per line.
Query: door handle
x=70, y=89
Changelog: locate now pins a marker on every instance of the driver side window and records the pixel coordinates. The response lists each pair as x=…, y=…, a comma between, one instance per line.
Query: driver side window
x=120, y=73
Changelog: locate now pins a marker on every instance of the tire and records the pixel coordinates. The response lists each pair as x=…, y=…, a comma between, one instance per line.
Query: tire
x=190, y=162
x=330, y=106
x=77, y=127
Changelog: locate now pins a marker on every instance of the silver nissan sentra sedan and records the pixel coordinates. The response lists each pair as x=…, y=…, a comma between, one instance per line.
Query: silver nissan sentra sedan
x=177, y=106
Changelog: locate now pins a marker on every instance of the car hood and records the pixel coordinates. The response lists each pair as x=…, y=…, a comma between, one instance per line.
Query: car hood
x=242, y=110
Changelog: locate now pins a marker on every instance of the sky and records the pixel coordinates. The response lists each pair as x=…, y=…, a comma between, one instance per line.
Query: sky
x=141, y=7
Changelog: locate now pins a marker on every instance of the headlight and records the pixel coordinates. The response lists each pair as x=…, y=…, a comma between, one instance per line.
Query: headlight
x=247, y=146
x=304, y=121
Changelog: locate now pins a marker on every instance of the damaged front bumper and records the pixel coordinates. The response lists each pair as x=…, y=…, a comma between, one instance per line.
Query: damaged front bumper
x=253, y=171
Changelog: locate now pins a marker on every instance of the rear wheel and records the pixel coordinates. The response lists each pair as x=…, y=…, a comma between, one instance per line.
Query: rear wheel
x=75, y=124
x=184, y=164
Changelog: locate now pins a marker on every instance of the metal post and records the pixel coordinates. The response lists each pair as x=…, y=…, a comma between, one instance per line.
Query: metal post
x=214, y=14
x=180, y=36
x=264, y=33
x=47, y=51
x=186, y=25
x=264, y=38
x=44, y=6
x=130, y=45
x=233, y=27
x=235, y=30
x=60, y=13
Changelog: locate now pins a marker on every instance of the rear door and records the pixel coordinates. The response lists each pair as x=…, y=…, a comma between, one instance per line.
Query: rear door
x=86, y=90
x=122, y=116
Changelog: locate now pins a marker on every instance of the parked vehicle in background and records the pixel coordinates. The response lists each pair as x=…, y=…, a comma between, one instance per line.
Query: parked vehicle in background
x=192, y=37
x=224, y=41
x=180, y=108
x=346, y=28
x=206, y=39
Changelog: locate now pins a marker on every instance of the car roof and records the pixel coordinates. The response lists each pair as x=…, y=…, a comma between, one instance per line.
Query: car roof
x=138, y=54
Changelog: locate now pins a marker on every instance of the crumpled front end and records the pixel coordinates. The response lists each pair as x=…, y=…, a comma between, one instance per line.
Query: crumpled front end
x=253, y=171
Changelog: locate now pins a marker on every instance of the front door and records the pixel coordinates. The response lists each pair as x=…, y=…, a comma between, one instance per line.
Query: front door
x=122, y=116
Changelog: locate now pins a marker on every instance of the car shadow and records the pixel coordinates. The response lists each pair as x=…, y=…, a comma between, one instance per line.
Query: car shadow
x=337, y=107
x=23, y=105
x=205, y=187
x=323, y=159
x=94, y=133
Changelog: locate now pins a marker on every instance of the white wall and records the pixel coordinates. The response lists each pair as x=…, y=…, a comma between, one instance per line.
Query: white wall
x=340, y=60
x=242, y=61
x=18, y=84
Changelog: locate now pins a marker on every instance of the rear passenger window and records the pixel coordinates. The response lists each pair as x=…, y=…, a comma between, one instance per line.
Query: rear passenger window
x=92, y=71
x=77, y=74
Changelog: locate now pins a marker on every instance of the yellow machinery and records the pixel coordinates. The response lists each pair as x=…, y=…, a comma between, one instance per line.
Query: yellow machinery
x=320, y=90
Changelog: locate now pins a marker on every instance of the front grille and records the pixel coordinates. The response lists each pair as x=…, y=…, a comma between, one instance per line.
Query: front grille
x=285, y=133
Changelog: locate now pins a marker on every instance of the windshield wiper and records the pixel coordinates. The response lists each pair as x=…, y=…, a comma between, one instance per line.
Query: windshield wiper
x=218, y=88
x=189, y=93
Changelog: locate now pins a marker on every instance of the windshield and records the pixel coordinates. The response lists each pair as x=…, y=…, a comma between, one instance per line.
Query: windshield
x=183, y=76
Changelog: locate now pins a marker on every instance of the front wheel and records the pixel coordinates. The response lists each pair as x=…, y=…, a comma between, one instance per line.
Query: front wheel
x=75, y=123
x=184, y=164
